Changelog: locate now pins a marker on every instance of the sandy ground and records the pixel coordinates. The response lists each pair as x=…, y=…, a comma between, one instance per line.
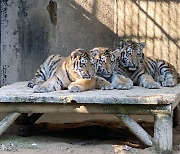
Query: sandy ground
x=82, y=140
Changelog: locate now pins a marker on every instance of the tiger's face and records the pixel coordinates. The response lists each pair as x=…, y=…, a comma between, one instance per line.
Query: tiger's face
x=106, y=61
x=84, y=63
x=131, y=55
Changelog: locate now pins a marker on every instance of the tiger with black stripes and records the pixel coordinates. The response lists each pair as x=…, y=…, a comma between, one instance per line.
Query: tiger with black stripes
x=145, y=71
x=75, y=72
x=106, y=60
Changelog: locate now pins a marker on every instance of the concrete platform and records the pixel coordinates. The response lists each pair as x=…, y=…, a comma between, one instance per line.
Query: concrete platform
x=18, y=98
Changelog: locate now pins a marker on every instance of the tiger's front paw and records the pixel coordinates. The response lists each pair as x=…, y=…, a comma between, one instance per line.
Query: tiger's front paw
x=40, y=89
x=151, y=85
x=124, y=86
x=169, y=82
x=107, y=86
x=74, y=88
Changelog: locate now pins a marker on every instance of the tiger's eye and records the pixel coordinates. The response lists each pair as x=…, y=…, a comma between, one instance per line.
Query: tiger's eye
x=83, y=61
x=112, y=59
x=103, y=58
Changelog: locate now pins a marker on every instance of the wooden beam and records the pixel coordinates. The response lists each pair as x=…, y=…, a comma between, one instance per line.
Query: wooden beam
x=163, y=133
x=7, y=121
x=136, y=129
x=84, y=108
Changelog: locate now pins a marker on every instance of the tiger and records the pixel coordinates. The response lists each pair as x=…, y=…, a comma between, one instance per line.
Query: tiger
x=106, y=60
x=75, y=73
x=144, y=71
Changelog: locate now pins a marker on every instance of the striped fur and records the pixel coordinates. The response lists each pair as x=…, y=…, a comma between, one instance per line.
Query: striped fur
x=75, y=72
x=144, y=71
x=46, y=70
x=106, y=64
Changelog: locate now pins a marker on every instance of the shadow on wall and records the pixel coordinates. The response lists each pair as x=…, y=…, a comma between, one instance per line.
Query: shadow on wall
x=155, y=22
x=75, y=28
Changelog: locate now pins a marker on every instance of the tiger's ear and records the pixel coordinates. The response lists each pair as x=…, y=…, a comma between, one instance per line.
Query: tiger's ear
x=76, y=53
x=116, y=53
x=142, y=45
x=122, y=44
x=94, y=52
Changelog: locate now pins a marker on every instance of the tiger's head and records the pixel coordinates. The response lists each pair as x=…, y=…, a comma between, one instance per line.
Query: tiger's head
x=131, y=54
x=106, y=61
x=83, y=63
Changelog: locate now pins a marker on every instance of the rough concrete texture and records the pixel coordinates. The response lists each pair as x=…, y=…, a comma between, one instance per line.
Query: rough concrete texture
x=32, y=30
x=19, y=92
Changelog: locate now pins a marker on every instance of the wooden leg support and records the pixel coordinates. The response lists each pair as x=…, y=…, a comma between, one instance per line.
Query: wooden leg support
x=136, y=129
x=163, y=133
x=7, y=121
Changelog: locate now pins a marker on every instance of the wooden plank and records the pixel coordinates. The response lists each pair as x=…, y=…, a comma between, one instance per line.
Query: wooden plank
x=84, y=108
x=136, y=129
x=163, y=133
x=19, y=92
x=7, y=121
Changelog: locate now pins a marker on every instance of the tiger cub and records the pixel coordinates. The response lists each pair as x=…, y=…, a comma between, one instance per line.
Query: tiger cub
x=145, y=71
x=106, y=63
x=75, y=72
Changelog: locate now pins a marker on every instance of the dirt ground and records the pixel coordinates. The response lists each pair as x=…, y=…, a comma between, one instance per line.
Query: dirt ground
x=80, y=137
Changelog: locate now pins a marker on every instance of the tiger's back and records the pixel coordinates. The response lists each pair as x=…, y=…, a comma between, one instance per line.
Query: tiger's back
x=46, y=70
x=162, y=71
x=145, y=71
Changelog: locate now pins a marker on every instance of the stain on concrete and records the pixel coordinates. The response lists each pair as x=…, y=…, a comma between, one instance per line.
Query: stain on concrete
x=4, y=73
x=33, y=40
x=4, y=4
x=3, y=20
x=15, y=32
x=52, y=9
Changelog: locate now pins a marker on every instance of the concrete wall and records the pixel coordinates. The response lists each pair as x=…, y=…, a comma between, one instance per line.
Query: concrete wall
x=31, y=30
x=34, y=29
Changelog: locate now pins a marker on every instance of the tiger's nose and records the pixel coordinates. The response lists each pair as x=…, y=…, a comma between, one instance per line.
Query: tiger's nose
x=86, y=76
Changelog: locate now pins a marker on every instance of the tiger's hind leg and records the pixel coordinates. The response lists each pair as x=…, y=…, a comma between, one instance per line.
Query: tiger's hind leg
x=167, y=75
x=147, y=81
x=46, y=70
x=167, y=82
x=121, y=82
x=52, y=84
x=34, y=82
